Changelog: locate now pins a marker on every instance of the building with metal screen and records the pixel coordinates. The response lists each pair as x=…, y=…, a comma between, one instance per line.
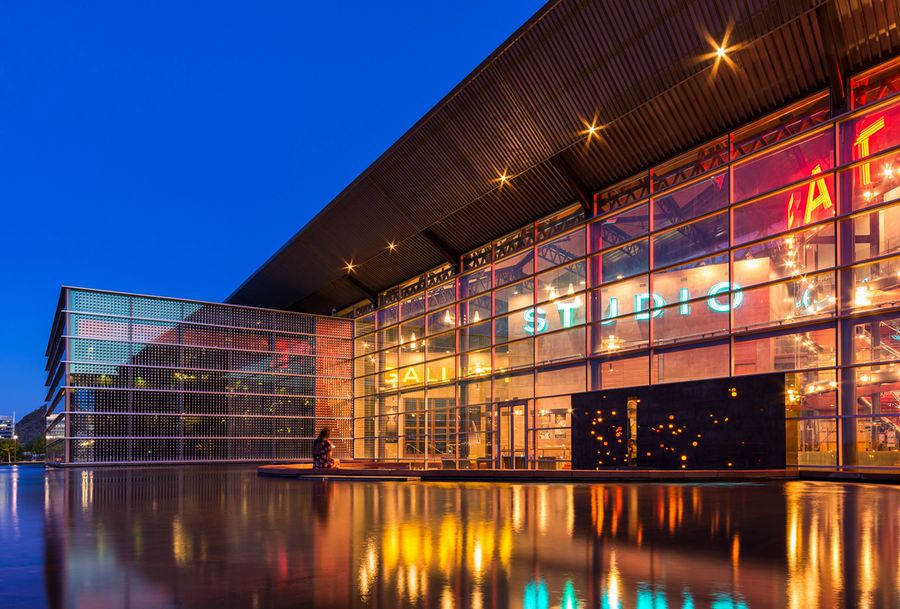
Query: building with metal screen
x=770, y=249
x=625, y=196
x=137, y=379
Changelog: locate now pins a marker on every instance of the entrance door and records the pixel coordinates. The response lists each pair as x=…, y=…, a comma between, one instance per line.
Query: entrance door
x=512, y=442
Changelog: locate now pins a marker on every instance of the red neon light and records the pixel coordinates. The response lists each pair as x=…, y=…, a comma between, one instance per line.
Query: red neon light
x=862, y=144
x=814, y=200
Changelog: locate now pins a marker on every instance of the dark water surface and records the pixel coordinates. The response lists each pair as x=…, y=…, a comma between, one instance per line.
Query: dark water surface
x=220, y=537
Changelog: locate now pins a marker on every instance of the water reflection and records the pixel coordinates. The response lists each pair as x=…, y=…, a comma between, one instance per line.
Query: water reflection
x=225, y=538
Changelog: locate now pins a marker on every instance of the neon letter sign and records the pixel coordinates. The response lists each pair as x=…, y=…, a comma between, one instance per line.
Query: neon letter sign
x=862, y=144
x=813, y=200
x=640, y=299
x=646, y=305
x=535, y=320
x=723, y=286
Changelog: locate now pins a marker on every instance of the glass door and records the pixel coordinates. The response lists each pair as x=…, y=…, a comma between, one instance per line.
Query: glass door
x=512, y=442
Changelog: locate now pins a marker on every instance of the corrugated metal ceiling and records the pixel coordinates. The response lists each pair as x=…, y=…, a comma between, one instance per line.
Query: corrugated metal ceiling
x=640, y=68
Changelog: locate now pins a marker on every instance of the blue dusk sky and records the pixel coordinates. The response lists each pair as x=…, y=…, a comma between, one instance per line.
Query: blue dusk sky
x=170, y=148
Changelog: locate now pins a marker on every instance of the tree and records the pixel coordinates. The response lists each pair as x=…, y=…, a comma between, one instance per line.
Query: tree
x=10, y=449
x=37, y=446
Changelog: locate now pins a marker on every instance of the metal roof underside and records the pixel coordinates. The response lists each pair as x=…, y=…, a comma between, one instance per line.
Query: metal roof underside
x=641, y=68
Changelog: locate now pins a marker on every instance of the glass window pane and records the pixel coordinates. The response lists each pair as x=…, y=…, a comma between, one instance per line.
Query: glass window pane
x=547, y=317
x=364, y=365
x=387, y=316
x=688, y=281
x=871, y=183
x=561, y=282
x=475, y=337
x=474, y=283
x=514, y=268
x=441, y=320
x=816, y=442
x=441, y=295
x=412, y=354
x=411, y=332
x=513, y=297
x=811, y=393
x=520, y=324
x=621, y=227
x=628, y=371
x=877, y=389
x=698, y=199
x=475, y=392
x=553, y=413
x=364, y=345
x=690, y=240
x=785, y=210
x=440, y=371
x=873, y=234
x=616, y=299
x=875, y=84
x=364, y=325
x=788, y=256
x=787, y=302
x=412, y=306
x=625, y=261
x=560, y=346
x=874, y=285
x=560, y=251
x=387, y=338
x=614, y=335
x=475, y=310
x=513, y=386
x=696, y=362
x=870, y=133
x=440, y=345
x=511, y=356
x=878, y=441
x=784, y=165
x=796, y=350
x=687, y=321
x=403, y=377
x=387, y=360
x=876, y=340
x=564, y=380
x=475, y=364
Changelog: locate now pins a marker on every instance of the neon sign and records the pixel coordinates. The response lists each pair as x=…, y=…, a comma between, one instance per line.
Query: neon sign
x=411, y=376
x=536, y=317
x=817, y=196
x=862, y=145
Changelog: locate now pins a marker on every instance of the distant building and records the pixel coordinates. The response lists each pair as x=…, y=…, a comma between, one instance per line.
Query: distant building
x=138, y=379
x=7, y=427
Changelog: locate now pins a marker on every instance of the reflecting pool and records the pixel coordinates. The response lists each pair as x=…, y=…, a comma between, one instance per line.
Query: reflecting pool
x=219, y=537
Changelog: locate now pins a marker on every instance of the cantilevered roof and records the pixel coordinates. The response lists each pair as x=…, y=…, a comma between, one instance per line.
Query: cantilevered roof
x=642, y=69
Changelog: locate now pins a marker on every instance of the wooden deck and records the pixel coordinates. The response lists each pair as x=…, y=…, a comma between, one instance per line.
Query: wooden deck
x=394, y=471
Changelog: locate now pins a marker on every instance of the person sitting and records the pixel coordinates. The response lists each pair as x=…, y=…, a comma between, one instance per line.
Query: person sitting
x=322, y=449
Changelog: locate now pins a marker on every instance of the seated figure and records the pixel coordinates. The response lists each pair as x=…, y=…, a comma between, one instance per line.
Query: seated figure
x=322, y=449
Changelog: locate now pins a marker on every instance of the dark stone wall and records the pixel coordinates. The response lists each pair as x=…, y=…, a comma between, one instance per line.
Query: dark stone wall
x=731, y=423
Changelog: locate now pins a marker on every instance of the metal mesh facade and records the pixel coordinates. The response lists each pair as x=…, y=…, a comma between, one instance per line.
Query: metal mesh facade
x=139, y=379
x=775, y=248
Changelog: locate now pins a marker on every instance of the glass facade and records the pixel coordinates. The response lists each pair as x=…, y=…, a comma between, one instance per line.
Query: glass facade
x=775, y=248
x=142, y=379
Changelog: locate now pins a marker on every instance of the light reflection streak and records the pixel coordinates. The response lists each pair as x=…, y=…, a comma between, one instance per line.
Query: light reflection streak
x=448, y=545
